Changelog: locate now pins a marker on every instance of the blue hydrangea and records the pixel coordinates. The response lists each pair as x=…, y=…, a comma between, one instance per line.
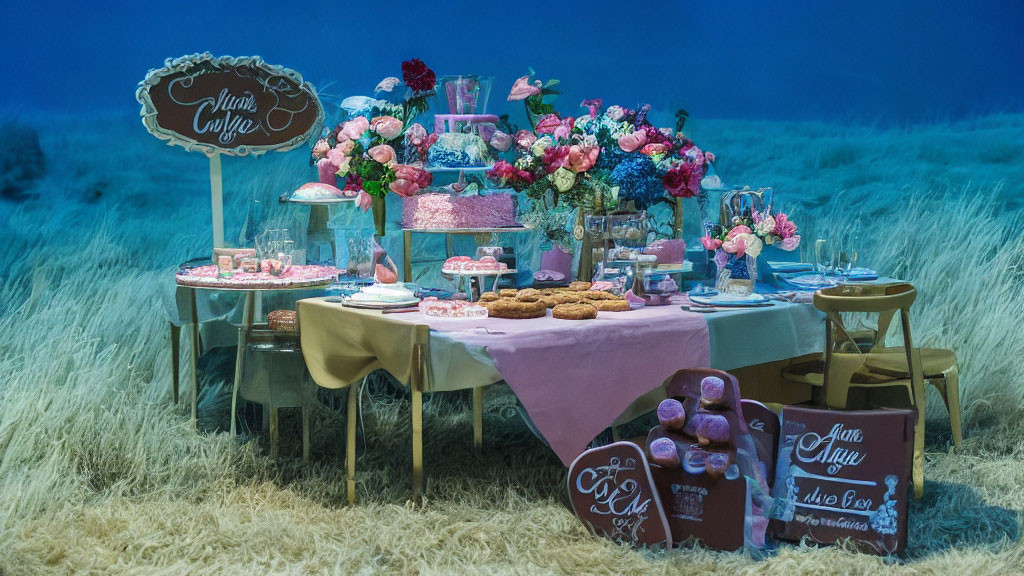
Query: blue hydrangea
x=638, y=180
x=738, y=267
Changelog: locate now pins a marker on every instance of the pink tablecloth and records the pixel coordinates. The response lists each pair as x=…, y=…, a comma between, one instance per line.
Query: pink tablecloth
x=575, y=377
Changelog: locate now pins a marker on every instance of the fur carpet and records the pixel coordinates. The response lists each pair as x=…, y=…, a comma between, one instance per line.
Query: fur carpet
x=101, y=474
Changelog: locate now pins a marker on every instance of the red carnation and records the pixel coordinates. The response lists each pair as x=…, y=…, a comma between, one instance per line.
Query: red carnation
x=417, y=76
x=683, y=180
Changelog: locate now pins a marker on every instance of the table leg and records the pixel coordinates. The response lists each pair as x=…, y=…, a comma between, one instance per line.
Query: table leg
x=243, y=335
x=407, y=256
x=478, y=419
x=195, y=360
x=350, y=446
x=417, y=423
x=175, y=357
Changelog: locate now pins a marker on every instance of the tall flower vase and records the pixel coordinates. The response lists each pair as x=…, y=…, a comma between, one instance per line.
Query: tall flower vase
x=379, y=208
x=736, y=274
x=677, y=213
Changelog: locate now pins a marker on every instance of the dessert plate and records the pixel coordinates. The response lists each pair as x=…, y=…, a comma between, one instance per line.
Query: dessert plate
x=369, y=305
x=727, y=300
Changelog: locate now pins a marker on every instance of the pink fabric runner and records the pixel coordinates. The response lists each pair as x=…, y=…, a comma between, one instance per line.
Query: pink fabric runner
x=575, y=377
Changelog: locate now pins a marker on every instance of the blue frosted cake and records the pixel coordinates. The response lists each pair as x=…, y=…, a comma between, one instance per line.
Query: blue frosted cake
x=454, y=150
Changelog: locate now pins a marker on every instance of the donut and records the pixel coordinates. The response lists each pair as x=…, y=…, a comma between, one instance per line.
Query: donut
x=574, y=312
x=664, y=453
x=713, y=429
x=528, y=295
x=579, y=286
x=513, y=309
x=671, y=414
x=611, y=305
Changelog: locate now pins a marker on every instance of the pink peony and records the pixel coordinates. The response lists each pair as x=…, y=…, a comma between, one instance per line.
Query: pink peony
x=340, y=161
x=354, y=128
x=345, y=147
x=387, y=127
x=525, y=138
x=326, y=170
x=502, y=171
x=554, y=158
x=784, y=227
x=615, y=113
x=711, y=243
x=500, y=141
x=387, y=85
x=409, y=179
x=382, y=154
x=791, y=243
x=683, y=180
x=320, y=149
x=364, y=201
x=416, y=134
x=548, y=124
x=736, y=231
x=582, y=158
x=633, y=142
x=522, y=89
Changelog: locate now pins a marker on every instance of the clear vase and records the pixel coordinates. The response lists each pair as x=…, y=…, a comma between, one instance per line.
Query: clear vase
x=736, y=274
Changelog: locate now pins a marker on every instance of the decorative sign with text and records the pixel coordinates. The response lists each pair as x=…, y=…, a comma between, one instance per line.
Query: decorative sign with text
x=612, y=492
x=229, y=105
x=847, y=475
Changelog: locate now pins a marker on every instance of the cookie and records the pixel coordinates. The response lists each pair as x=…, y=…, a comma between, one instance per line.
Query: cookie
x=566, y=298
x=488, y=296
x=528, y=295
x=507, y=292
x=548, y=301
x=611, y=305
x=599, y=295
x=574, y=312
x=515, y=310
x=579, y=286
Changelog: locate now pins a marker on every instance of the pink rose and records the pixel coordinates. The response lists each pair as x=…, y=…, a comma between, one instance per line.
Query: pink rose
x=548, y=123
x=525, y=138
x=711, y=243
x=500, y=141
x=522, y=89
x=409, y=179
x=337, y=156
x=791, y=243
x=326, y=169
x=633, y=142
x=593, y=105
x=382, y=154
x=364, y=201
x=416, y=134
x=563, y=130
x=736, y=231
x=654, y=149
x=615, y=113
x=582, y=158
x=784, y=227
x=320, y=149
x=737, y=245
x=387, y=85
x=354, y=128
x=387, y=127
x=345, y=147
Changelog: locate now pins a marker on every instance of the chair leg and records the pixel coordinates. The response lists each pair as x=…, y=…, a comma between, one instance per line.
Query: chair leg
x=175, y=360
x=350, y=446
x=478, y=419
x=952, y=378
x=273, y=432
x=417, y=424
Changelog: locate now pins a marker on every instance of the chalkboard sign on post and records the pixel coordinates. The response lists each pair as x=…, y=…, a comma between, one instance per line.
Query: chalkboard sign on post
x=227, y=105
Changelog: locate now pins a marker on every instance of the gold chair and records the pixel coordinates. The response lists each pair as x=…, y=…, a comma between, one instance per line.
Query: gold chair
x=847, y=365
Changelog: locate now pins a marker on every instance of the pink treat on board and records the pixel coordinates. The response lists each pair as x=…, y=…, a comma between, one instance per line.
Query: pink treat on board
x=671, y=414
x=634, y=300
x=713, y=429
x=664, y=453
x=712, y=390
x=446, y=211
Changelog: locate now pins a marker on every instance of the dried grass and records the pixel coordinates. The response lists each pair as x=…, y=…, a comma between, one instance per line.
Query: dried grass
x=99, y=473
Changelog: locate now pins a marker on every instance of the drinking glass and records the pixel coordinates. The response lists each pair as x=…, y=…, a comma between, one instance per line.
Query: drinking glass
x=822, y=257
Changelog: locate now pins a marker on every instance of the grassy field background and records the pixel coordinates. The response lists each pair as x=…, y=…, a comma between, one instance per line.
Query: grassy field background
x=100, y=473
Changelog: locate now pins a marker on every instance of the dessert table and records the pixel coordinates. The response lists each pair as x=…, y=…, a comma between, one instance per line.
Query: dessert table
x=208, y=278
x=574, y=378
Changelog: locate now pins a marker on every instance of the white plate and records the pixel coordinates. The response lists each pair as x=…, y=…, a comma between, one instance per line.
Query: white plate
x=730, y=300
x=350, y=303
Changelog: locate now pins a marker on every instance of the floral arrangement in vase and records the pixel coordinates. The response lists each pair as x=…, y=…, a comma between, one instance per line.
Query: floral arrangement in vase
x=737, y=246
x=380, y=148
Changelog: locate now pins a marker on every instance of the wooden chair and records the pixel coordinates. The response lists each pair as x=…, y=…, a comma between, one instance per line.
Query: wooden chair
x=847, y=365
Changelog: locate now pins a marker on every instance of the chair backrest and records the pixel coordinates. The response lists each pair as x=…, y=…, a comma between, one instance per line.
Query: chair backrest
x=843, y=358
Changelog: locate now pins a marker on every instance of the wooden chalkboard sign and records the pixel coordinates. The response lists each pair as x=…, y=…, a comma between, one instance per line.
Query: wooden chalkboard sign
x=699, y=507
x=228, y=105
x=612, y=493
x=846, y=475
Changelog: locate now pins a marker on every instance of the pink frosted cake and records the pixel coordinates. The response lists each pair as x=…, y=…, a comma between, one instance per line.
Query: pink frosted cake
x=447, y=211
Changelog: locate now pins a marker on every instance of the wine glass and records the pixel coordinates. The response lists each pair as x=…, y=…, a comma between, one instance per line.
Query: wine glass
x=822, y=257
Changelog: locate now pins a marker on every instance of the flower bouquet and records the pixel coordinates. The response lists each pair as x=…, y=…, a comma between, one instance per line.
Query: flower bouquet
x=381, y=149
x=737, y=246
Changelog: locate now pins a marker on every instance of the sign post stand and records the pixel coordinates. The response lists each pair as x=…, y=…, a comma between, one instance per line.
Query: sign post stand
x=217, y=200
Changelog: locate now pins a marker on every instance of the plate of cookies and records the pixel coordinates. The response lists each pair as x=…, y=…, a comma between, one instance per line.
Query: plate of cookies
x=578, y=301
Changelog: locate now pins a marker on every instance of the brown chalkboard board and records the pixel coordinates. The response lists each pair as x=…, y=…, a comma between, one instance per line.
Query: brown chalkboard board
x=229, y=105
x=847, y=475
